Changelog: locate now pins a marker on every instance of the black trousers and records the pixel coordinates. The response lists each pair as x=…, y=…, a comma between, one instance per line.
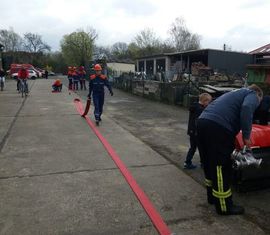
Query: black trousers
x=75, y=85
x=57, y=88
x=263, y=117
x=82, y=84
x=98, y=99
x=216, y=144
x=70, y=83
x=193, y=141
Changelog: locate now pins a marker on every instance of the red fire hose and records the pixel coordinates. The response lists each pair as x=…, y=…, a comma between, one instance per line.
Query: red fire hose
x=155, y=217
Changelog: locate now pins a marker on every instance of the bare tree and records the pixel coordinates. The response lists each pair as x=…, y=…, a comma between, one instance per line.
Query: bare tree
x=10, y=40
x=146, y=39
x=34, y=43
x=147, y=43
x=182, y=38
x=91, y=32
x=120, y=50
x=102, y=51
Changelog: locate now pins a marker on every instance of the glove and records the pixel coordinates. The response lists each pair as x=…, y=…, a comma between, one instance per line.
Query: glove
x=111, y=93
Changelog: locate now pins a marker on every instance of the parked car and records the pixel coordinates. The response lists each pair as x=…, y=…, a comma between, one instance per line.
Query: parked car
x=32, y=74
x=38, y=72
x=41, y=72
x=14, y=68
x=14, y=73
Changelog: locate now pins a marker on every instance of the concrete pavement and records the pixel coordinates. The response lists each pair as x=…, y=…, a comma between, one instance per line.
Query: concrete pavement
x=57, y=178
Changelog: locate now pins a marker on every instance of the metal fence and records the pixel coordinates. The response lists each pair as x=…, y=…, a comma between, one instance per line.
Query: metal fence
x=179, y=93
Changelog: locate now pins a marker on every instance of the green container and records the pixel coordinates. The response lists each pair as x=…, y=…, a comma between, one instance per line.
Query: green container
x=256, y=76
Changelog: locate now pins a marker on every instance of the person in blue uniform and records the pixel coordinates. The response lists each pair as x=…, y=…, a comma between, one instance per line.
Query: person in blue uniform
x=262, y=112
x=96, y=86
x=217, y=128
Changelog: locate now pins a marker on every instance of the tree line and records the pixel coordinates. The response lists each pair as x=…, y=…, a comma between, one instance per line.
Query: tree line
x=30, y=42
x=79, y=47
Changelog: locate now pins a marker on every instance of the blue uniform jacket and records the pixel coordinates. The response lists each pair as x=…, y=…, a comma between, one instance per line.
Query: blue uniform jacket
x=234, y=111
x=195, y=111
x=76, y=77
x=97, y=83
x=265, y=103
x=81, y=75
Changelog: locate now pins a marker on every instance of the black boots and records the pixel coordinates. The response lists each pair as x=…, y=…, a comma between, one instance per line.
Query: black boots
x=210, y=197
x=232, y=210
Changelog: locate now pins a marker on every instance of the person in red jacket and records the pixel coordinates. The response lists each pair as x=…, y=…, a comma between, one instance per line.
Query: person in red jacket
x=23, y=75
x=75, y=79
x=57, y=85
x=81, y=74
x=69, y=75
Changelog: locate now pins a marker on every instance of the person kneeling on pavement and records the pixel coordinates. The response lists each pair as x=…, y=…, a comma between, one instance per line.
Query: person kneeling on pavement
x=217, y=128
x=57, y=85
x=195, y=111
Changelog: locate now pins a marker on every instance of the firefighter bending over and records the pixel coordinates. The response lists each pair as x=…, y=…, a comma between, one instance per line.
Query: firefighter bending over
x=217, y=128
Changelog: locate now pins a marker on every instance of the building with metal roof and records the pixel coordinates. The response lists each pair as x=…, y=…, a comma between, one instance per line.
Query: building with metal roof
x=261, y=54
x=259, y=71
x=229, y=62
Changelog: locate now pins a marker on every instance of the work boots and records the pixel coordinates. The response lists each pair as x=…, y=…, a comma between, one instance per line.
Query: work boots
x=232, y=210
x=210, y=197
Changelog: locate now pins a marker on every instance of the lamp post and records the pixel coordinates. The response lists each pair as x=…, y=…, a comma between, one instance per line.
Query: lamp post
x=1, y=58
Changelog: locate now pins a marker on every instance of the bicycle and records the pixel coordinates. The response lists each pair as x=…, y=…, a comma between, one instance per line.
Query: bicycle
x=23, y=87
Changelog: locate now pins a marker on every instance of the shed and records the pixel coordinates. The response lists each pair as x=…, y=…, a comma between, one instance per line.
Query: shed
x=229, y=62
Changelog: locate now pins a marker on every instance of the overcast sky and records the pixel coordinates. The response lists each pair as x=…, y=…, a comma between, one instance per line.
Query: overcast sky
x=242, y=24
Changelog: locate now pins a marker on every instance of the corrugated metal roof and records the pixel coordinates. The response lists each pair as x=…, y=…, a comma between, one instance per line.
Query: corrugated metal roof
x=261, y=50
x=200, y=51
x=258, y=66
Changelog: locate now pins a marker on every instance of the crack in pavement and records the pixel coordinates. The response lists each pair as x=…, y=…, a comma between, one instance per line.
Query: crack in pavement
x=5, y=138
x=74, y=172
x=175, y=221
x=49, y=115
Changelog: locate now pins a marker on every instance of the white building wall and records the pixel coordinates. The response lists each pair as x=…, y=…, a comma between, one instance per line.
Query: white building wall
x=121, y=67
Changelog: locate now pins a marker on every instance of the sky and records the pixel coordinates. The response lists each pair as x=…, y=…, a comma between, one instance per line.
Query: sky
x=243, y=25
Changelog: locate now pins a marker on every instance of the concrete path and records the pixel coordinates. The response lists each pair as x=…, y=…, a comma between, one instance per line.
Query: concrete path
x=57, y=178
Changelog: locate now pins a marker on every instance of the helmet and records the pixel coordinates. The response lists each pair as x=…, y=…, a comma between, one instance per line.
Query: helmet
x=97, y=67
x=69, y=67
